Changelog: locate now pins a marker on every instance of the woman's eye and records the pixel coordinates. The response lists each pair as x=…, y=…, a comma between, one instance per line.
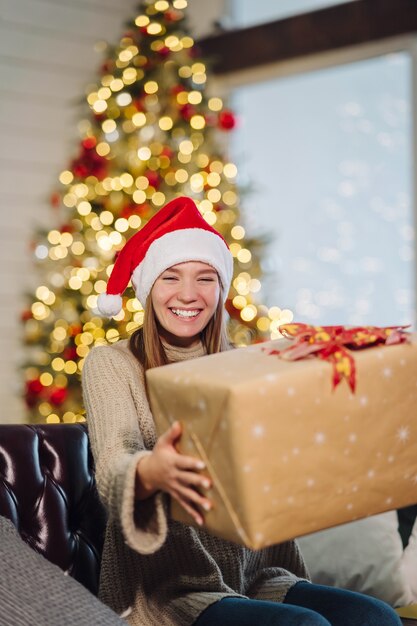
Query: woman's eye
x=206, y=280
x=169, y=278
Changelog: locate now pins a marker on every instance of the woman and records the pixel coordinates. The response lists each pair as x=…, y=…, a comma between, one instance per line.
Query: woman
x=156, y=570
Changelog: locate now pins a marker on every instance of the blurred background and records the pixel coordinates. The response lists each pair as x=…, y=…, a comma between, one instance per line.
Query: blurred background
x=321, y=103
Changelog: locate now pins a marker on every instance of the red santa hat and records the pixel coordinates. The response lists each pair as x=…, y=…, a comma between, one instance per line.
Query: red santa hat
x=176, y=234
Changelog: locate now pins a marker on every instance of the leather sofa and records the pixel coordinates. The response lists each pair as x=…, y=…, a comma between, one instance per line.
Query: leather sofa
x=47, y=489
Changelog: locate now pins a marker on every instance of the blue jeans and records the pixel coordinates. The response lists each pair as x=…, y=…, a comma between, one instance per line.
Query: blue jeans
x=305, y=604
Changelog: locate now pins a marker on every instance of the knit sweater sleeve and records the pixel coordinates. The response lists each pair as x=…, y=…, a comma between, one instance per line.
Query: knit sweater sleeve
x=117, y=445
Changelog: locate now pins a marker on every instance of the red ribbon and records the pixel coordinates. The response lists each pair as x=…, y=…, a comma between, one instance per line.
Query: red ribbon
x=332, y=343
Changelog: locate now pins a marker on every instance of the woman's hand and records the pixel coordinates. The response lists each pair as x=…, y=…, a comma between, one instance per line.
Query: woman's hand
x=167, y=470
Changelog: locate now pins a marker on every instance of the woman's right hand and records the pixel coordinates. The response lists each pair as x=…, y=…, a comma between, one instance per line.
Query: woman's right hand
x=165, y=469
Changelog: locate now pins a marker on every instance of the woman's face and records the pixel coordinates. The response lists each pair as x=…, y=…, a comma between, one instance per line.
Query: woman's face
x=184, y=299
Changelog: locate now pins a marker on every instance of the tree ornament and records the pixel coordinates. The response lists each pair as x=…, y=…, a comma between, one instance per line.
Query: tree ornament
x=55, y=200
x=227, y=120
x=34, y=387
x=58, y=395
x=26, y=315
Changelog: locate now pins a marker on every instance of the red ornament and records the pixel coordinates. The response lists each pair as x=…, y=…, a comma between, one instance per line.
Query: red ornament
x=164, y=52
x=89, y=142
x=107, y=66
x=70, y=353
x=75, y=329
x=232, y=310
x=227, y=120
x=58, y=395
x=79, y=170
x=153, y=178
x=176, y=89
x=167, y=152
x=138, y=104
x=128, y=210
x=187, y=111
x=34, y=387
x=89, y=163
x=26, y=315
x=173, y=16
x=67, y=228
x=145, y=210
x=55, y=200
x=135, y=209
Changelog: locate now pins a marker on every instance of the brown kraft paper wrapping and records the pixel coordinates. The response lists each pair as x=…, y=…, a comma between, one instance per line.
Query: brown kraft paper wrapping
x=289, y=455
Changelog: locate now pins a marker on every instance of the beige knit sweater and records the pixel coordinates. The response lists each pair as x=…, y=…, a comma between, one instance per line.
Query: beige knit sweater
x=156, y=571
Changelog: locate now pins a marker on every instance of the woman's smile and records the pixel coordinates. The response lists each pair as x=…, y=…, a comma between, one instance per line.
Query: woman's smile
x=186, y=313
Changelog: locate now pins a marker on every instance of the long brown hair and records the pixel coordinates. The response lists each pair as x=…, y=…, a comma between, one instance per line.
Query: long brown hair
x=146, y=345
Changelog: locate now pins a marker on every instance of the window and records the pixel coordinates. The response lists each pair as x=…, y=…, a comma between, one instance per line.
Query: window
x=328, y=155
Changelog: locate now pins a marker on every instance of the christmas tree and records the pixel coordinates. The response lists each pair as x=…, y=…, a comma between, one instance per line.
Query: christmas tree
x=151, y=133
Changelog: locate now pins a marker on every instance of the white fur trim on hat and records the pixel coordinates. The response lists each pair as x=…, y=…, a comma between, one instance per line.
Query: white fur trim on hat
x=180, y=246
x=109, y=304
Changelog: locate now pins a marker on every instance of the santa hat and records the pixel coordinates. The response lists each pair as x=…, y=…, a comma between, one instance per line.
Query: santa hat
x=176, y=234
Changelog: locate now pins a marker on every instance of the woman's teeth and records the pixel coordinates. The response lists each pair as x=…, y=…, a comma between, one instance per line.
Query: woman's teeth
x=182, y=313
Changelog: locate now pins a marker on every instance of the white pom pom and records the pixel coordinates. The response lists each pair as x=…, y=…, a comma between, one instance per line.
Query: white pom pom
x=109, y=304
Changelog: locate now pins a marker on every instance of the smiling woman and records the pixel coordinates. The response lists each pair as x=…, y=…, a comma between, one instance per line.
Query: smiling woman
x=156, y=570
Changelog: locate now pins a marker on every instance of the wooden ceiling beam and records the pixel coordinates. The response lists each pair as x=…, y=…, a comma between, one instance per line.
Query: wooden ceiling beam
x=333, y=28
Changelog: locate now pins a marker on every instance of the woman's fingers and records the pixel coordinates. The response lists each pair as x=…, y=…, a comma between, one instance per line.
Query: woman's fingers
x=194, y=479
x=189, y=463
x=192, y=501
x=193, y=497
x=172, y=435
x=190, y=510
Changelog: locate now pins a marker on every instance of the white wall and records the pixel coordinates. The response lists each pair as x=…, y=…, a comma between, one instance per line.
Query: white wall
x=47, y=58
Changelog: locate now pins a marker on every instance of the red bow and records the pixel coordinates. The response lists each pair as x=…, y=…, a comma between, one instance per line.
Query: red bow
x=330, y=342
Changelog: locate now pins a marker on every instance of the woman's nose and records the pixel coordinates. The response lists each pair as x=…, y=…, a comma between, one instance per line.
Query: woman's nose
x=187, y=292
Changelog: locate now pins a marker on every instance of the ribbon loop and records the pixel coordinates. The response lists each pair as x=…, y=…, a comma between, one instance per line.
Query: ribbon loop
x=334, y=344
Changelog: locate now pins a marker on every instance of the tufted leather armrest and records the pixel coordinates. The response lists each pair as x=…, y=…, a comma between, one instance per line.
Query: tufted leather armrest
x=47, y=490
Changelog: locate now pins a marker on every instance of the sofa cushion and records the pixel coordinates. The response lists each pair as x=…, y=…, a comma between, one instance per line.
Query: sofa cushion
x=367, y=556
x=34, y=591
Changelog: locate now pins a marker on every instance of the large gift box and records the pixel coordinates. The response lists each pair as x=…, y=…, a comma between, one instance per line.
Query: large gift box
x=289, y=450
